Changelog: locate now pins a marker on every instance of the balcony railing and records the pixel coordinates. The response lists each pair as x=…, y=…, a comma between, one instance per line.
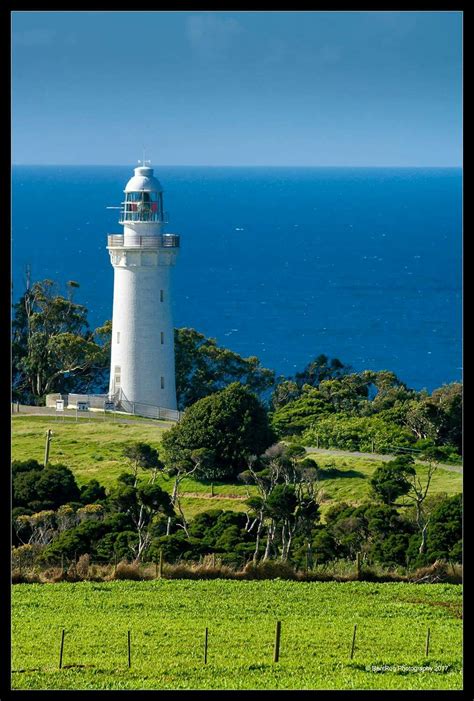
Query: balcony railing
x=136, y=241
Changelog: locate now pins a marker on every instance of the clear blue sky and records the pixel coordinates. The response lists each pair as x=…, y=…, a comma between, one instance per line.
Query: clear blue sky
x=237, y=88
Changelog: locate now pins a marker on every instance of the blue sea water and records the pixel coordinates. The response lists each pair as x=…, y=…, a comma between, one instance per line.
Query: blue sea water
x=363, y=264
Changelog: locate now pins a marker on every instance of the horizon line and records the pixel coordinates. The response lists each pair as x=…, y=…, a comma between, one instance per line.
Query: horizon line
x=227, y=165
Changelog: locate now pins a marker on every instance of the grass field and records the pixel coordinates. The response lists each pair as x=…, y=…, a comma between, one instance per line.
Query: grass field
x=167, y=619
x=92, y=449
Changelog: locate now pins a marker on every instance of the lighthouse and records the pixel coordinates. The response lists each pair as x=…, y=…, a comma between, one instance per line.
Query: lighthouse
x=142, y=367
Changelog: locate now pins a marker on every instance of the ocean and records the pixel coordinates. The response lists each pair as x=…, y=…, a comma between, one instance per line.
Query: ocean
x=362, y=264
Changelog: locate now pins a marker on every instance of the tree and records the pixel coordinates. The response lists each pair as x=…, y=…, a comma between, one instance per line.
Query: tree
x=391, y=480
x=438, y=417
x=347, y=393
x=417, y=494
x=287, y=502
x=365, y=433
x=37, y=529
x=203, y=367
x=295, y=415
x=285, y=391
x=181, y=469
x=143, y=455
x=386, y=392
x=142, y=504
x=53, y=349
x=320, y=369
x=91, y=492
x=444, y=534
x=230, y=424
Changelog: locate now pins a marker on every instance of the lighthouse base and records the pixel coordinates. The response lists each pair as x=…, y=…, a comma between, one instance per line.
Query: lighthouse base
x=103, y=403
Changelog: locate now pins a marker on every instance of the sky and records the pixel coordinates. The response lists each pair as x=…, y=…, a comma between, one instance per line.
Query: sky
x=237, y=88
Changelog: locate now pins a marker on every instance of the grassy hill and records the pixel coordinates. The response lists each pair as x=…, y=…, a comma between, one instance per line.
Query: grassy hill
x=92, y=449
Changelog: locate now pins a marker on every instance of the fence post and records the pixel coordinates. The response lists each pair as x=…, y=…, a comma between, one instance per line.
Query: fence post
x=61, y=650
x=276, y=649
x=205, y=645
x=160, y=568
x=353, y=641
x=46, y=448
x=129, y=651
x=358, y=564
x=427, y=648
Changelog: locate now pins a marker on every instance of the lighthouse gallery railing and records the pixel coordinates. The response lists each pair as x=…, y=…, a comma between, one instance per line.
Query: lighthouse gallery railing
x=161, y=241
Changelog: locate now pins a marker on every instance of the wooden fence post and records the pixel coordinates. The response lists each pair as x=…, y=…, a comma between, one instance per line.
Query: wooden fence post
x=353, y=641
x=427, y=648
x=205, y=645
x=46, y=447
x=276, y=649
x=358, y=564
x=160, y=567
x=129, y=651
x=61, y=650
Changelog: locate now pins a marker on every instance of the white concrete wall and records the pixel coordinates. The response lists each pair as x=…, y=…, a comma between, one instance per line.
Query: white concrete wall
x=140, y=318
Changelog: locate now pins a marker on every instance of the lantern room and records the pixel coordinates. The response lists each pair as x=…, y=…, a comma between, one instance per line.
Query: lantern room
x=143, y=198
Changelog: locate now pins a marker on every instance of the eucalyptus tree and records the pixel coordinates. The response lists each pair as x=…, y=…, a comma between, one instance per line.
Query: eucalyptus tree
x=53, y=348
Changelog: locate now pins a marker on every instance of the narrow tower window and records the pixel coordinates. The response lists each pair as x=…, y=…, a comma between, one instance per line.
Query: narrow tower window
x=162, y=382
x=117, y=376
x=162, y=338
x=118, y=336
x=161, y=296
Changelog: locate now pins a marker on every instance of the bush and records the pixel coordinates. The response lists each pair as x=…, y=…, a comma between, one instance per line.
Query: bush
x=346, y=432
x=269, y=569
x=83, y=565
x=125, y=570
x=44, y=487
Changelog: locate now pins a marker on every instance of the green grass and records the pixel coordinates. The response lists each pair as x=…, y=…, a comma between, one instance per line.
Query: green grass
x=167, y=619
x=92, y=449
x=348, y=479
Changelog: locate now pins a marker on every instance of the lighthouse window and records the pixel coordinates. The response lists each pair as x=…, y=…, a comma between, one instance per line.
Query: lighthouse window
x=162, y=382
x=117, y=376
x=161, y=296
x=142, y=206
x=118, y=336
x=162, y=338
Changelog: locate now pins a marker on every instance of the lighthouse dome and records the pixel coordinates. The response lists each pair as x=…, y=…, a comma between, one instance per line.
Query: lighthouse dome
x=143, y=180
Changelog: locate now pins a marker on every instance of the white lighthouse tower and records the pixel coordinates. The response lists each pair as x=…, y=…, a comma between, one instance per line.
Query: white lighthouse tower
x=142, y=369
